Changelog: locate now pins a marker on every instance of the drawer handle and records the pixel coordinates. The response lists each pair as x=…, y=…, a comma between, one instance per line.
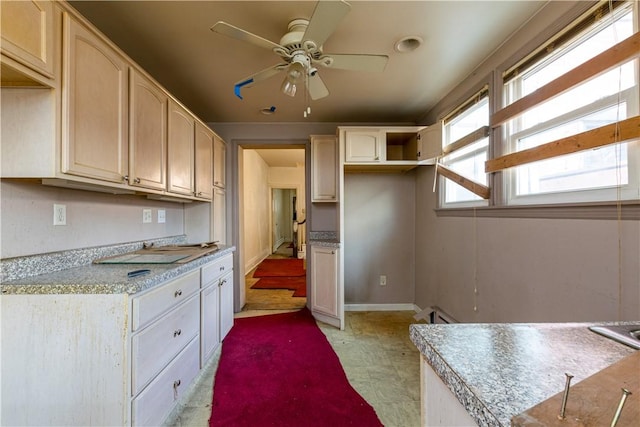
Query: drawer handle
x=178, y=293
x=222, y=268
x=222, y=282
x=177, y=332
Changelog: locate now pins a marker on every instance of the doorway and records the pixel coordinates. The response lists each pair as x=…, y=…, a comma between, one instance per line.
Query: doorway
x=271, y=201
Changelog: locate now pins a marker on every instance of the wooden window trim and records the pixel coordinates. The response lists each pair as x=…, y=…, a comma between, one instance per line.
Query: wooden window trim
x=615, y=132
x=476, y=188
x=474, y=136
x=627, y=49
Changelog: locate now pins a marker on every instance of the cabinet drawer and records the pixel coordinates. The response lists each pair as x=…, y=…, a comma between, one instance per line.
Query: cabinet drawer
x=152, y=304
x=153, y=405
x=216, y=269
x=155, y=346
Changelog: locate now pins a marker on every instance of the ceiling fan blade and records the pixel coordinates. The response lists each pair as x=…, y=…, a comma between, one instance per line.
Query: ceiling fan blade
x=262, y=75
x=325, y=19
x=245, y=36
x=355, y=62
x=258, y=77
x=316, y=87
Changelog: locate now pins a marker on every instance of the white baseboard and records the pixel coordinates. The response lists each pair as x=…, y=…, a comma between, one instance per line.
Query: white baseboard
x=382, y=307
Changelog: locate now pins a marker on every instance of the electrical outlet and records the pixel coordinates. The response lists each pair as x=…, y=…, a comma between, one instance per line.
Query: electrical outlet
x=59, y=215
x=162, y=216
x=383, y=280
x=146, y=216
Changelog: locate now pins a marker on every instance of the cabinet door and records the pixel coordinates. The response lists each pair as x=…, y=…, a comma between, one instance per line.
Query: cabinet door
x=219, y=156
x=180, y=150
x=148, y=134
x=94, y=97
x=28, y=34
x=325, y=289
x=226, y=305
x=210, y=326
x=324, y=169
x=430, y=142
x=203, y=163
x=364, y=146
x=219, y=216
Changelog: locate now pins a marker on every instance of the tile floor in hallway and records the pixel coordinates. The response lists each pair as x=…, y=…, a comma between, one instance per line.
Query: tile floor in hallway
x=376, y=353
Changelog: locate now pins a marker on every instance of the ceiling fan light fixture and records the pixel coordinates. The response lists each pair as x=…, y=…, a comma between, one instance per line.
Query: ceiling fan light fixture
x=288, y=87
x=408, y=44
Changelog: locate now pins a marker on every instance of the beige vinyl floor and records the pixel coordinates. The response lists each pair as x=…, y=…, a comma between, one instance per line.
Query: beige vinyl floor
x=376, y=353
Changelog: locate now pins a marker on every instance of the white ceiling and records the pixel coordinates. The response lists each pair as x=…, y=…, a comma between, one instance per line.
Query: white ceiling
x=290, y=157
x=173, y=42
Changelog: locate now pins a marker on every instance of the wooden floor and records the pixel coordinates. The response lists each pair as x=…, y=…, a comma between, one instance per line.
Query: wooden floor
x=271, y=299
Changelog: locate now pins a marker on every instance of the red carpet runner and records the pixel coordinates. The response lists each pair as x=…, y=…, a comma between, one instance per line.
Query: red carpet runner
x=280, y=370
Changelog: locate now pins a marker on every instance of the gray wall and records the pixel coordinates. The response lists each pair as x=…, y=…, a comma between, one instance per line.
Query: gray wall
x=525, y=270
x=379, y=235
x=93, y=219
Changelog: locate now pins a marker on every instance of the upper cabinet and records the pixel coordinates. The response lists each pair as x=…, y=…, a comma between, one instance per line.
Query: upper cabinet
x=398, y=148
x=94, y=106
x=181, y=147
x=324, y=168
x=219, y=156
x=77, y=112
x=147, y=133
x=204, y=162
x=28, y=37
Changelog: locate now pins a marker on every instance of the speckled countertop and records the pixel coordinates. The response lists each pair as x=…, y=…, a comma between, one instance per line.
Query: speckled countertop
x=104, y=278
x=497, y=371
x=327, y=239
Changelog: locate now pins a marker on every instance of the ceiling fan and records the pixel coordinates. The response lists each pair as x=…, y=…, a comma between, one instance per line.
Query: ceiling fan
x=301, y=51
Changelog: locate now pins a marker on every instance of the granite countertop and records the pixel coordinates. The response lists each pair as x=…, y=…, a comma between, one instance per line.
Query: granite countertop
x=104, y=278
x=497, y=371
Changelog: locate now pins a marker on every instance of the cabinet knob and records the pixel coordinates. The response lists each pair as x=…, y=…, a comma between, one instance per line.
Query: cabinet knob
x=222, y=282
x=137, y=180
x=178, y=293
x=177, y=333
x=222, y=268
x=125, y=178
x=176, y=383
x=377, y=158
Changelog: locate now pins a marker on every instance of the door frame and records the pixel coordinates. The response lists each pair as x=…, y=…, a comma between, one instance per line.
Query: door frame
x=277, y=186
x=237, y=202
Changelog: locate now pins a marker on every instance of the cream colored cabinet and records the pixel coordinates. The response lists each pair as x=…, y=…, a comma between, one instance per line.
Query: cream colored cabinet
x=203, y=162
x=94, y=106
x=219, y=156
x=216, y=305
x=219, y=215
x=226, y=305
x=100, y=359
x=147, y=133
x=326, y=292
x=180, y=150
x=28, y=30
x=324, y=168
x=364, y=145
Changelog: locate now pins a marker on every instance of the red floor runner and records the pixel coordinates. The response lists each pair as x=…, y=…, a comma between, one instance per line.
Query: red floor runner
x=296, y=284
x=280, y=370
x=274, y=267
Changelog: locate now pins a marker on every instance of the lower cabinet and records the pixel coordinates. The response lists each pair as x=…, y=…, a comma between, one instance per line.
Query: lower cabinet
x=326, y=293
x=111, y=359
x=216, y=299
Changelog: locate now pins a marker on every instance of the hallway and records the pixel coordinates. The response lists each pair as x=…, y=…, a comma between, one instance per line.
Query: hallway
x=271, y=299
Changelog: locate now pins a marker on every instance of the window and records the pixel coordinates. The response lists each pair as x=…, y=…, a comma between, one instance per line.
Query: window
x=610, y=172
x=468, y=160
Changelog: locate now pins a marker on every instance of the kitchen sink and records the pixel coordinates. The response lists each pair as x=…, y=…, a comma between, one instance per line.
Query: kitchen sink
x=625, y=334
